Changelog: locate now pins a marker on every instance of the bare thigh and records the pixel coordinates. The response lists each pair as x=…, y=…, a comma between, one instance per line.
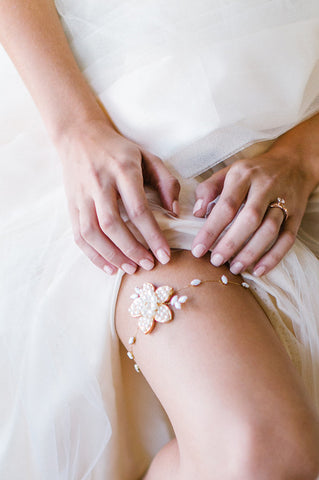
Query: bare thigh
x=219, y=370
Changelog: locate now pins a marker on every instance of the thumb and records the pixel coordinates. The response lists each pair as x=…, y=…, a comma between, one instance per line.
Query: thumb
x=158, y=176
x=208, y=191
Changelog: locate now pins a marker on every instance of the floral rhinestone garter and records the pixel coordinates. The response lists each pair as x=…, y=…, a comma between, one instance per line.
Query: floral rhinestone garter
x=153, y=305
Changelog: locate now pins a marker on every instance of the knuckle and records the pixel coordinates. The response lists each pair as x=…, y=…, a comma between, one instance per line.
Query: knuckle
x=131, y=251
x=174, y=184
x=271, y=227
x=205, y=188
x=275, y=257
x=78, y=239
x=228, y=207
x=229, y=245
x=107, y=222
x=126, y=165
x=138, y=211
x=248, y=256
x=290, y=237
x=154, y=237
x=208, y=231
x=111, y=256
x=87, y=231
x=95, y=258
x=253, y=217
x=242, y=169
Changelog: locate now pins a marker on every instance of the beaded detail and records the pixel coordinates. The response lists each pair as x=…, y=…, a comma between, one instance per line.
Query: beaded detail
x=153, y=305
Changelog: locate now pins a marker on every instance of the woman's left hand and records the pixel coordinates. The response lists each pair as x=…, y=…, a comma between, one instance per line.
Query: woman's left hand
x=259, y=236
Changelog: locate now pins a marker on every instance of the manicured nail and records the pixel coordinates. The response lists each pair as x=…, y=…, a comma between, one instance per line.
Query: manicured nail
x=147, y=264
x=259, y=271
x=162, y=256
x=128, y=268
x=175, y=207
x=198, y=205
x=217, y=260
x=108, y=270
x=236, y=268
x=199, y=250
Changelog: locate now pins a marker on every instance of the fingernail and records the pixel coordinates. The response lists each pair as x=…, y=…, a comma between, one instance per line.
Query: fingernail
x=199, y=250
x=162, y=256
x=236, y=268
x=175, y=207
x=259, y=271
x=217, y=260
x=128, y=268
x=147, y=264
x=198, y=205
x=108, y=270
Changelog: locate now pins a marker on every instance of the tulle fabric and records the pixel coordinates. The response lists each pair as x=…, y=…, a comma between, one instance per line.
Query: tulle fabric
x=198, y=79
x=70, y=409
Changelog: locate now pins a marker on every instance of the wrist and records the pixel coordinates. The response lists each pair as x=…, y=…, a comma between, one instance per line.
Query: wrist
x=77, y=124
x=300, y=148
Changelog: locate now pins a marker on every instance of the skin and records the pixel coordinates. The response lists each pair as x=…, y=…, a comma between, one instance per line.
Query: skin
x=258, y=238
x=100, y=166
x=233, y=396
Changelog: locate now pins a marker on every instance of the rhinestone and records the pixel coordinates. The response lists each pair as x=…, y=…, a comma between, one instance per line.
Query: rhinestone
x=178, y=305
x=133, y=296
x=183, y=299
x=245, y=285
x=196, y=282
x=130, y=355
x=131, y=340
x=224, y=279
x=174, y=299
x=137, y=368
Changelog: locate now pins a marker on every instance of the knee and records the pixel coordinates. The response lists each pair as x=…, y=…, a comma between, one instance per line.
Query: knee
x=282, y=450
x=286, y=449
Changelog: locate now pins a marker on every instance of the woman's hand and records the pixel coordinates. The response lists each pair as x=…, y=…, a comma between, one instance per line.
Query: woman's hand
x=259, y=237
x=100, y=166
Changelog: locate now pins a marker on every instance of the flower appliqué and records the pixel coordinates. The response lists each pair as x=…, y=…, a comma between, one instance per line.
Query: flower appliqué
x=149, y=304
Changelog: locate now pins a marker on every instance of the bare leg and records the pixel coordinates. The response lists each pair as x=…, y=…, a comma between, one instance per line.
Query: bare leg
x=236, y=403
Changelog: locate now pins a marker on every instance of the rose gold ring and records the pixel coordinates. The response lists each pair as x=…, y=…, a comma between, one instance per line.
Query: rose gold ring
x=280, y=203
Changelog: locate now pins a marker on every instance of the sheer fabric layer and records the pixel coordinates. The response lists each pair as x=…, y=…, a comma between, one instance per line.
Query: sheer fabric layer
x=199, y=79
x=70, y=409
x=67, y=409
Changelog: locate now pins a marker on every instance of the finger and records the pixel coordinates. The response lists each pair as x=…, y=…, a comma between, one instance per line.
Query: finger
x=285, y=241
x=157, y=175
x=131, y=190
x=245, y=225
x=90, y=252
x=261, y=241
x=117, y=231
x=232, y=197
x=207, y=191
x=90, y=231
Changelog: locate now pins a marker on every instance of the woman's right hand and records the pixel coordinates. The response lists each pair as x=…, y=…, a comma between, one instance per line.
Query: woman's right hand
x=99, y=167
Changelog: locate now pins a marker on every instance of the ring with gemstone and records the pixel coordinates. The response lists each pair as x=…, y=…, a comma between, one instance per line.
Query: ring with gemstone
x=280, y=203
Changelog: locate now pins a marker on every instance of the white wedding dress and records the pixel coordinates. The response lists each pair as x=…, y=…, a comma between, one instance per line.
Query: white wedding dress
x=195, y=82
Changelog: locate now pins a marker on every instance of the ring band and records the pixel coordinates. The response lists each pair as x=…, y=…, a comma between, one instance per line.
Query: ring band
x=280, y=203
